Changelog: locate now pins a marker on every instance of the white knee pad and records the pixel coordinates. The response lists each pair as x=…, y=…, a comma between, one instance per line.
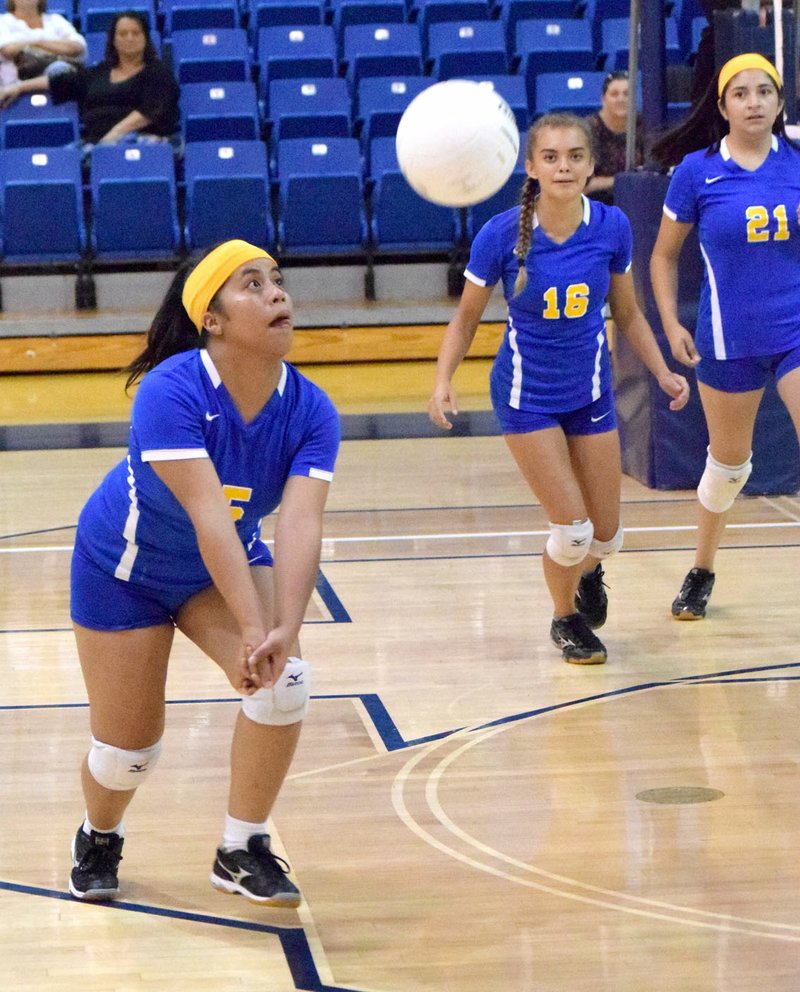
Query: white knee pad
x=120, y=770
x=568, y=544
x=285, y=702
x=721, y=484
x=604, y=549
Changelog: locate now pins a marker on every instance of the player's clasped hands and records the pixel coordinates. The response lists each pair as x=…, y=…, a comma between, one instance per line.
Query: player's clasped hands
x=262, y=665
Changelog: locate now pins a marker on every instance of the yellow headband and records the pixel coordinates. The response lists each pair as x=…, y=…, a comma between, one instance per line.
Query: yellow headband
x=207, y=277
x=750, y=60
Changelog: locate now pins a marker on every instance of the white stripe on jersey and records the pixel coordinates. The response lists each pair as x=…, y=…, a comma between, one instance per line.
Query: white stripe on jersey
x=716, y=315
x=211, y=368
x=597, y=359
x=320, y=473
x=670, y=213
x=125, y=566
x=173, y=454
x=516, y=363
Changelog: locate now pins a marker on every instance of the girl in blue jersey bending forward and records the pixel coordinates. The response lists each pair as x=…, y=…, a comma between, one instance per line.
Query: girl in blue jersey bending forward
x=559, y=256
x=743, y=193
x=222, y=430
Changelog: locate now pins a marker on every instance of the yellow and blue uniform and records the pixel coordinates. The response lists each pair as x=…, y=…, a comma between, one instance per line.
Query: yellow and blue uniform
x=554, y=356
x=135, y=542
x=747, y=225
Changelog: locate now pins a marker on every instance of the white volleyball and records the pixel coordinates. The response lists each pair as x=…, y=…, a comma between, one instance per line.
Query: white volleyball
x=457, y=142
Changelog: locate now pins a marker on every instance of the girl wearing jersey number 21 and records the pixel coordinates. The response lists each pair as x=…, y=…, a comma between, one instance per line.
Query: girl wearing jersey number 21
x=222, y=431
x=559, y=256
x=743, y=193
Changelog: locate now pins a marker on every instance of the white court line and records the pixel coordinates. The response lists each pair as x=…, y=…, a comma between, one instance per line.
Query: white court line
x=477, y=535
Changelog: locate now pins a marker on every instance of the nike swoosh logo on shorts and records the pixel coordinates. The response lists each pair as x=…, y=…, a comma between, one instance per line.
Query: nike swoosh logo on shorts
x=601, y=417
x=211, y=416
x=713, y=179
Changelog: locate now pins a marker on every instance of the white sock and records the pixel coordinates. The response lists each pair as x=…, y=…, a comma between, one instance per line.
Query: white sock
x=238, y=833
x=88, y=827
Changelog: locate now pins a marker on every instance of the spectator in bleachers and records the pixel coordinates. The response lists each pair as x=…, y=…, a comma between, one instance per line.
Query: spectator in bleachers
x=30, y=39
x=609, y=131
x=130, y=95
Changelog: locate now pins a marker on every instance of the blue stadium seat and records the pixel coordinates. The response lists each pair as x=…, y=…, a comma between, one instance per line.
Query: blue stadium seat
x=615, y=41
x=381, y=100
x=317, y=107
x=227, y=194
x=219, y=112
x=191, y=15
x=512, y=11
x=282, y=13
x=401, y=221
x=513, y=90
x=96, y=15
x=465, y=48
x=32, y=121
x=347, y=12
x=64, y=7
x=686, y=13
x=123, y=178
x=382, y=50
x=213, y=55
x=96, y=45
x=438, y=11
x=576, y=92
x=42, y=205
x=505, y=198
x=291, y=52
x=320, y=197
x=554, y=46
x=696, y=28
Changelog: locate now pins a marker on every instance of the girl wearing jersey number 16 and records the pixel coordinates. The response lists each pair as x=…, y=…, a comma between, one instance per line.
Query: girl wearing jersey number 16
x=559, y=256
x=743, y=193
x=222, y=431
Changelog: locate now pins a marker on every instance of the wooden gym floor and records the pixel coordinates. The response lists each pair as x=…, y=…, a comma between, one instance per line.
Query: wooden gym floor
x=466, y=813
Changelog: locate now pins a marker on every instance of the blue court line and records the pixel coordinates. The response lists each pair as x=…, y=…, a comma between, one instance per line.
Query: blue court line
x=294, y=942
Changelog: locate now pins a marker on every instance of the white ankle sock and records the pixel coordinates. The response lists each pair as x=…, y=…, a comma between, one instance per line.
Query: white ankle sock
x=88, y=827
x=238, y=833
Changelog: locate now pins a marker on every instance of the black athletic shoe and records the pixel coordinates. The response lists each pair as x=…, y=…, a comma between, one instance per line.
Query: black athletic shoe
x=591, y=600
x=578, y=644
x=256, y=873
x=691, y=601
x=95, y=860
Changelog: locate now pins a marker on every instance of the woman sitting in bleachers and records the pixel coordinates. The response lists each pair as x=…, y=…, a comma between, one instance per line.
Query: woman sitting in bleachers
x=130, y=95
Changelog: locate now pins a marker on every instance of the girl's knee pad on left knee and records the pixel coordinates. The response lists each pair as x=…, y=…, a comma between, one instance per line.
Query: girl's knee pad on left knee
x=604, y=549
x=284, y=703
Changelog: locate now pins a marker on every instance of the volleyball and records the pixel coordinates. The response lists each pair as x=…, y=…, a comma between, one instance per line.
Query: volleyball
x=457, y=142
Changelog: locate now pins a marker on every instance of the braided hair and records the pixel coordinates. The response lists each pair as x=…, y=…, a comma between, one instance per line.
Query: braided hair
x=530, y=188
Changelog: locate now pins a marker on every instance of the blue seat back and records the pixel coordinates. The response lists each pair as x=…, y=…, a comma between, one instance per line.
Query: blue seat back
x=309, y=107
x=575, y=92
x=381, y=101
x=382, y=50
x=96, y=15
x=33, y=121
x=465, y=48
x=42, y=205
x=122, y=178
x=227, y=194
x=555, y=46
x=289, y=52
x=192, y=15
x=212, y=55
x=219, y=111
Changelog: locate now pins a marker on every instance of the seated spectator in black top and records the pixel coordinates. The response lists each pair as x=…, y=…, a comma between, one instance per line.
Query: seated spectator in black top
x=609, y=132
x=130, y=95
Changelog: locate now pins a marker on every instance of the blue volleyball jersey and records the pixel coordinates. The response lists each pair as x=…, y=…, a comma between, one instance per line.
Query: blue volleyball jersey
x=135, y=528
x=554, y=354
x=747, y=225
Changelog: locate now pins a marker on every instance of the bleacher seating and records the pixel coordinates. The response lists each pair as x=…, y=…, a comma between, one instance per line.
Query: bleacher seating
x=122, y=178
x=212, y=55
x=347, y=12
x=401, y=221
x=219, y=112
x=42, y=205
x=554, y=46
x=465, y=48
x=33, y=121
x=575, y=92
x=227, y=194
x=438, y=11
x=309, y=107
x=320, y=196
x=96, y=15
x=381, y=100
x=512, y=11
x=382, y=50
x=615, y=43
x=191, y=15
x=290, y=52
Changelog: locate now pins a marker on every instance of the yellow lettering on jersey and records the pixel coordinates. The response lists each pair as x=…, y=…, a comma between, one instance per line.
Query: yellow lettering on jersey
x=576, y=304
x=758, y=224
x=241, y=494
